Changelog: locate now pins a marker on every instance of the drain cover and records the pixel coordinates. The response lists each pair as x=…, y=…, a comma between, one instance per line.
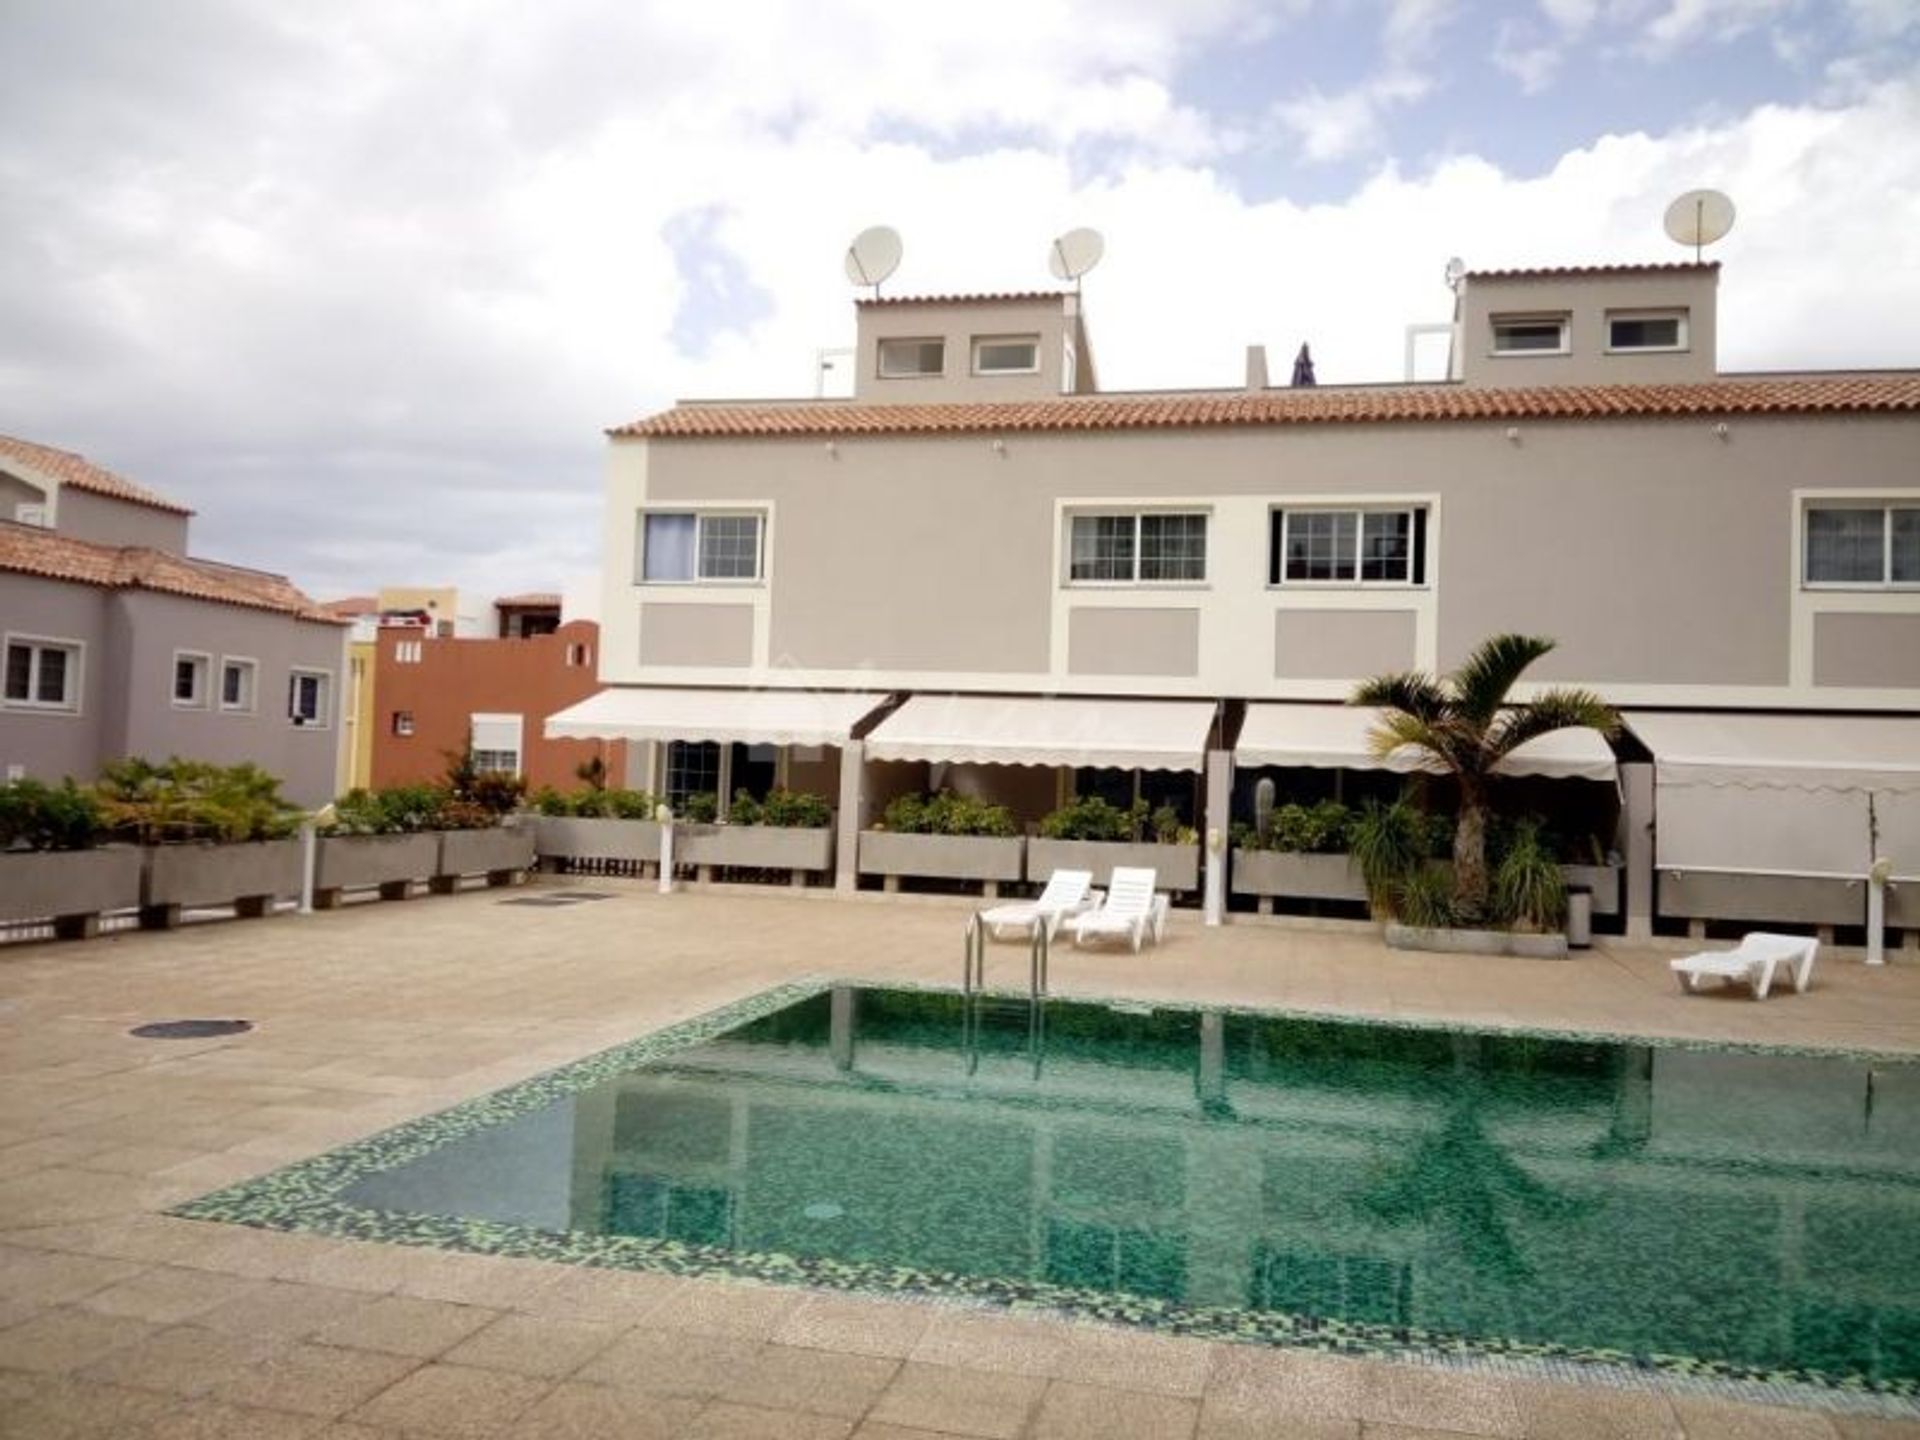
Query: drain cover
x=190, y=1029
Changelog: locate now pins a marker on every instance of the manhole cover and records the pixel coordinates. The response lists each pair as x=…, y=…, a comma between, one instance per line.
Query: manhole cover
x=190, y=1029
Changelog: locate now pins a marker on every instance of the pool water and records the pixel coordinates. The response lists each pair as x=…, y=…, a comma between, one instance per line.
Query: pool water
x=1761, y=1210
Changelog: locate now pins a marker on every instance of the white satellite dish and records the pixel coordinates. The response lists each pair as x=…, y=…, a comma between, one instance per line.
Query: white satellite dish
x=1698, y=218
x=873, y=256
x=1074, y=254
x=1456, y=272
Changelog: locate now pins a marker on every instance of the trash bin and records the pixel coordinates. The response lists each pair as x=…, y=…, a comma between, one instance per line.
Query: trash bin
x=1580, y=917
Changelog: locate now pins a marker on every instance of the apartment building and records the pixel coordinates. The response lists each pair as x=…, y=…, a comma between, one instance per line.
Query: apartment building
x=982, y=563
x=117, y=642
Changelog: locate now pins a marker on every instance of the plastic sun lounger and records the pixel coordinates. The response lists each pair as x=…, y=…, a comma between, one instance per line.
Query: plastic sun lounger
x=1132, y=911
x=1068, y=892
x=1754, y=962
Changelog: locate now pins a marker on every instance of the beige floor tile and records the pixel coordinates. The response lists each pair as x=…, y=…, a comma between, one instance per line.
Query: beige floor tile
x=1718, y=1420
x=51, y=1277
x=1549, y=1411
x=1435, y=1399
x=68, y=1409
x=573, y=1411
x=725, y=1421
x=491, y=1280
x=717, y=1307
x=1136, y=1360
x=139, y=1159
x=183, y=1360
x=1237, y=1424
x=1252, y=1380
x=577, y=1293
x=60, y=1340
x=402, y=1325
x=281, y=1309
x=782, y=1377
x=1868, y=1427
x=315, y=1379
x=210, y=1420
x=672, y=1362
x=1091, y=1412
x=530, y=1345
x=170, y=1293
x=855, y=1324
x=990, y=1340
x=452, y=1400
x=959, y=1402
x=876, y=1430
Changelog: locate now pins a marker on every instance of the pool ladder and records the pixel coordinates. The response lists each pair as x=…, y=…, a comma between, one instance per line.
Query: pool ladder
x=973, y=985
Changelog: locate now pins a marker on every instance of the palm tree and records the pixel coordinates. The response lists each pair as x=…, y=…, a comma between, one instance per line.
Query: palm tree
x=1464, y=725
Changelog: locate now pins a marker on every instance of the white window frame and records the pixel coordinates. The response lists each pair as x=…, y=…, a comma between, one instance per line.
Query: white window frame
x=76, y=671
x=518, y=752
x=700, y=518
x=400, y=724
x=1664, y=312
x=1495, y=323
x=202, y=698
x=982, y=341
x=250, y=687
x=407, y=652
x=882, y=345
x=323, y=718
x=1886, y=584
x=1103, y=512
x=1359, y=512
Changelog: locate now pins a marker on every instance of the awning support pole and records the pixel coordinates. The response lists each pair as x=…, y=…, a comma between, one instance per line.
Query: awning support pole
x=1214, y=823
x=1877, y=911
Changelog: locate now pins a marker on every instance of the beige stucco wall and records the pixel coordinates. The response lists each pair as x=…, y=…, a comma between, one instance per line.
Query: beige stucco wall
x=49, y=744
x=106, y=521
x=1333, y=644
x=1134, y=641
x=1051, y=318
x=1659, y=553
x=1867, y=650
x=718, y=635
x=1587, y=299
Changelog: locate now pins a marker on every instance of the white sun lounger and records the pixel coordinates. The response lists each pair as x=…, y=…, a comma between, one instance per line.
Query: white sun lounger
x=1131, y=912
x=1068, y=892
x=1759, y=956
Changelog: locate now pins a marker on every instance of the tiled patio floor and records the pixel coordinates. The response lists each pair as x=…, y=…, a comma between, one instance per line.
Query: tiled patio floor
x=118, y=1321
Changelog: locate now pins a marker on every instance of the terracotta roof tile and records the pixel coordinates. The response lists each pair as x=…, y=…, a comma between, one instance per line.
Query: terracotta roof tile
x=1001, y=297
x=1559, y=272
x=1317, y=406
x=81, y=473
x=30, y=550
x=350, y=606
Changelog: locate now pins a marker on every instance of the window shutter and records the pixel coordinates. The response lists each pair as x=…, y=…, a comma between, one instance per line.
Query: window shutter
x=1420, y=545
x=1276, y=560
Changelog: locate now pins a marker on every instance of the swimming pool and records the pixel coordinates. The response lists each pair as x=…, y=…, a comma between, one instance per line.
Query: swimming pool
x=1699, y=1210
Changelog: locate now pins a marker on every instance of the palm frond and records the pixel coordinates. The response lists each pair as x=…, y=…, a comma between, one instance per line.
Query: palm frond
x=1413, y=693
x=1481, y=683
x=1397, y=728
x=1549, y=711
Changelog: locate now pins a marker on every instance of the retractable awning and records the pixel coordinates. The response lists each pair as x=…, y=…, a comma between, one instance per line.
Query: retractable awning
x=1783, y=794
x=1334, y=737
x=1032, y=730
x=752, y=717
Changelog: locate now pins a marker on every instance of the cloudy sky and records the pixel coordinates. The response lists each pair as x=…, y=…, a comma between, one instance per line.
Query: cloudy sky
x=364, y=282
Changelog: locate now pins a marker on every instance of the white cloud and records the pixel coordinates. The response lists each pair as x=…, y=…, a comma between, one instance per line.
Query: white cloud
x=1533, y=65
x=1352, y=122
x=1685, y=22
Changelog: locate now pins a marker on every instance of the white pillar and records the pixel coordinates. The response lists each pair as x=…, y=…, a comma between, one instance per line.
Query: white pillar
x=1214, y=823
x=1877, y=911
x=853, y=765
x=309, y=863
x=666, y=850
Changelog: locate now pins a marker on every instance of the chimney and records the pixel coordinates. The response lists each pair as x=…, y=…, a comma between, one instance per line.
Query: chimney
x=1256, y=367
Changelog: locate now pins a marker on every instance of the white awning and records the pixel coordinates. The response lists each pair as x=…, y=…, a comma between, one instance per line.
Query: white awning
x=1334, y=737
x=1031, y=730
x=1784, y=794
x=752, y=717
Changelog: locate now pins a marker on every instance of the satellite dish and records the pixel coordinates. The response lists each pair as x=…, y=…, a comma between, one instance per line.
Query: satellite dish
x=873, y=256
x=1456, y=272
x=1698, y=218
x=1075, y=253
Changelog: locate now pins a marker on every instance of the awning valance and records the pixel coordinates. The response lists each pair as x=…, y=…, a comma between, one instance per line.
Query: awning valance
x=752, y=717
x=1334, y=737
x=1033, y=730
x=1783, y=794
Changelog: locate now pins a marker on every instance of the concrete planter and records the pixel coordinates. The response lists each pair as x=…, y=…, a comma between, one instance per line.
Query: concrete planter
x=1603, y=880
x=1779, y=899
x=69, y=887
x=249, y=875
x=1477, y=942
x=390, y=862
x=1175, y=867
x=1297, y=877
x=492, y=852
x=942, y=857
x=758, y=847
x=578, y=837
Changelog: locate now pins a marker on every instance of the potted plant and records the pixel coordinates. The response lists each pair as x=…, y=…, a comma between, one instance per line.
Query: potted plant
x=1092, y=834
x=385, y=839
x=786, y=831
x=943, y=836
x=596, y=826
x=1302, y=854
x=478, y=835
x=52, y=864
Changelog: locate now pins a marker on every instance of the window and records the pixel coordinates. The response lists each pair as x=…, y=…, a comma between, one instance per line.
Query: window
x=1006, y=355
x=237, y=684
x=1630, y=330
x=307, y=697
x=906, y=359
x=496, y=743
x=403, y=722
x=579, y=654
x=1348, y=547
x=190, y=679
x=1862, y=544
x=683, y=548
x=1529, y=334
x=42, y=674
x=1155, y=548
x=693, y=768
x=406, y=652
x=28, y=512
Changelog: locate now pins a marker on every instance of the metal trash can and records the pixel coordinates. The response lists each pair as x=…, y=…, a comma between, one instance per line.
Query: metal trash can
x=1580, y=917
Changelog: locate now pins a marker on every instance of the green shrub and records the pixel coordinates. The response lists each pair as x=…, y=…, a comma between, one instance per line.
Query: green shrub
x=595, y=803
x=183, y=800
x=1390, y=845
x=409, y=809
x=48, y=817
x=946, y=813
x=1089, y=817
x=629, y=804
x=1424, y=898
x=790, y=810
x=702, y=809
x=1529, y=891
x=1311, y=829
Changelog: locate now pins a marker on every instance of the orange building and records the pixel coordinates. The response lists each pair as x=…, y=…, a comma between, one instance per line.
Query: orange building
x=434, y=692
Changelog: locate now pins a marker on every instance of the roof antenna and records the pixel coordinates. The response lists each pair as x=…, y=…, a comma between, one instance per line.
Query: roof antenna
x=1698, y=218
x=1074, y=254
x=873, y=256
